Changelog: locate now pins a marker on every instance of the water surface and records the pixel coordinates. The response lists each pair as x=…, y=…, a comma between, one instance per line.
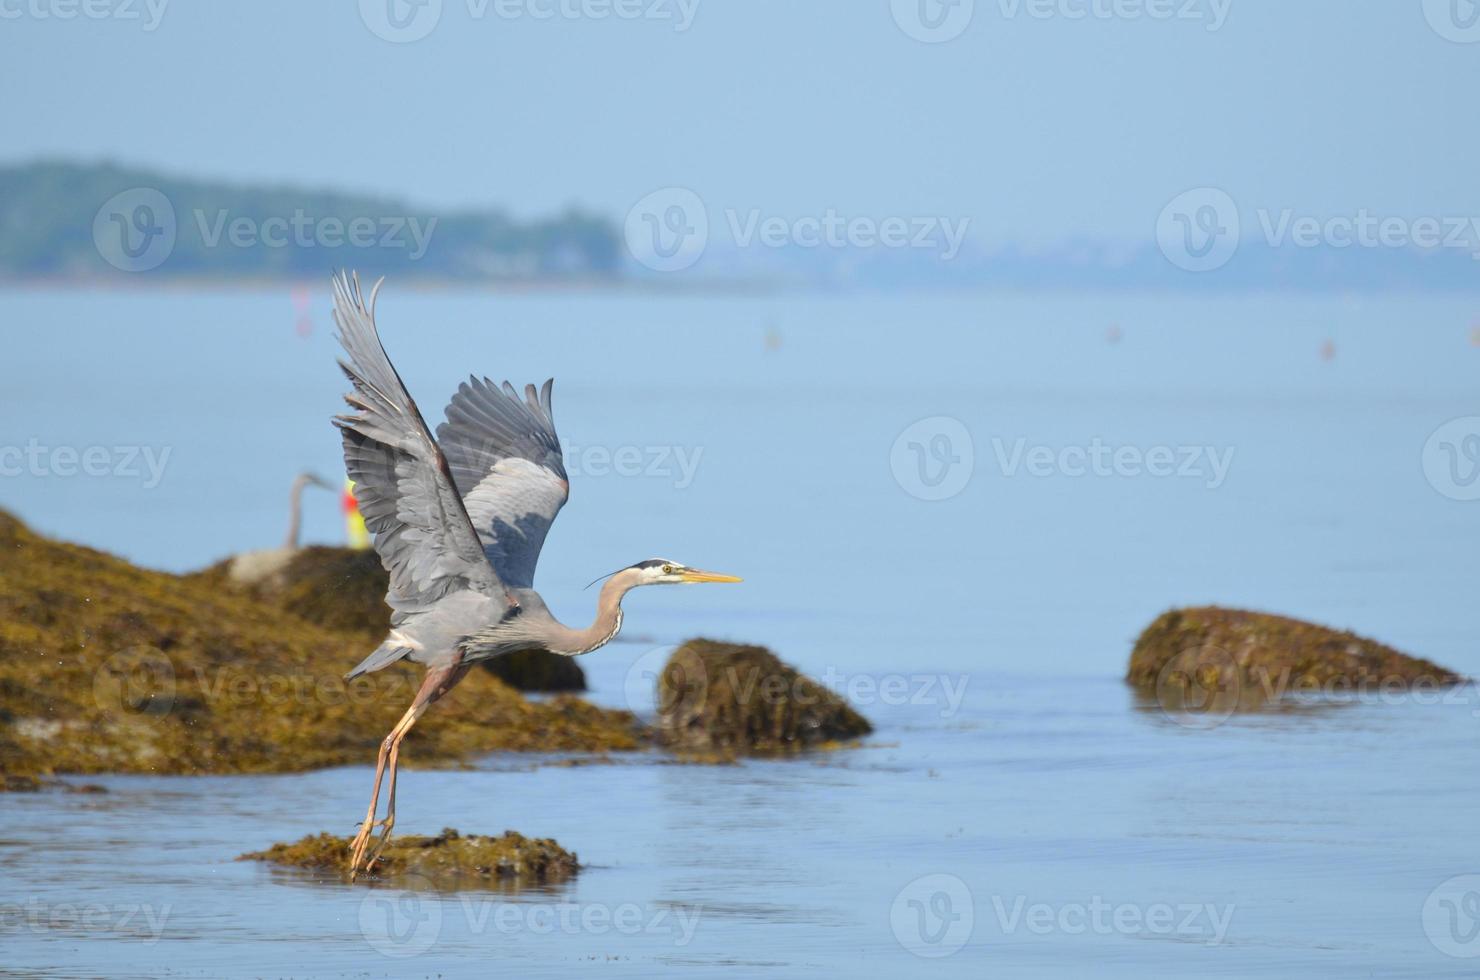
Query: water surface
x=1069, y=819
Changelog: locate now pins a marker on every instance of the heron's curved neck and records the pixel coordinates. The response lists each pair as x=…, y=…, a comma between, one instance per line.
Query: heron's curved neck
x=608, y=620
x=295, y=511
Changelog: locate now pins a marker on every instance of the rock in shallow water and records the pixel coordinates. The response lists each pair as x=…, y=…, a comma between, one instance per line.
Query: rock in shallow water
x=730, y=698
x=1234, y=659
x=447, y=860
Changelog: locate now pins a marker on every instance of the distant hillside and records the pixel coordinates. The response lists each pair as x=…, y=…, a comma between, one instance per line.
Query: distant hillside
x=76, y=221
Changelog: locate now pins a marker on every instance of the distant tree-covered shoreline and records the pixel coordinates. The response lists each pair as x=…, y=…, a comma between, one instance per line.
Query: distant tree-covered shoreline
x=65, y=220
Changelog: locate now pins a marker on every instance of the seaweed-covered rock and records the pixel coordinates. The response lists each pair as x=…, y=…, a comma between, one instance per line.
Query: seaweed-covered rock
x=1231, y=659
x=730, y=698
x=344, y=589
x=107, y=667
x=447, y=860
x=341, y=588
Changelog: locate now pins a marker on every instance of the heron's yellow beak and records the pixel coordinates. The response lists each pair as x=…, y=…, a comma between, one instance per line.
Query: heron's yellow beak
x=695, y=575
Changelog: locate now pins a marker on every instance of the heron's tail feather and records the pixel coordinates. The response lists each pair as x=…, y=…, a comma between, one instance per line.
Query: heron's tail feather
x=385, y=655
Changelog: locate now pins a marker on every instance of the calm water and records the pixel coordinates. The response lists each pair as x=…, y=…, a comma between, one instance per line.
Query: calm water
x=1017, y=812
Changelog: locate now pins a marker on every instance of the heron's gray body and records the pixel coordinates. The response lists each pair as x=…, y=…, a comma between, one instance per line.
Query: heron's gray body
x=468, y=627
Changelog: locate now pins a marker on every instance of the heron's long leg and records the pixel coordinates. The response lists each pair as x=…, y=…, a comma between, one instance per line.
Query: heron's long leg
x=357, y=849
x=437, y=682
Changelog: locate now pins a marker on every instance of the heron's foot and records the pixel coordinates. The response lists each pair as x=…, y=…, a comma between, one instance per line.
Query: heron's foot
x=362, y=841
x=385, y=835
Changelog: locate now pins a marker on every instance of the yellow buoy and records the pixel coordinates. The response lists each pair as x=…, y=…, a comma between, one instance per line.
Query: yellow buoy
x=354, y=522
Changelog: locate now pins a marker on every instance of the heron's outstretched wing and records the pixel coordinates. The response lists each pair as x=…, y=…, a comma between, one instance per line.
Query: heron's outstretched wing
x=505, y=458
x=402, y=483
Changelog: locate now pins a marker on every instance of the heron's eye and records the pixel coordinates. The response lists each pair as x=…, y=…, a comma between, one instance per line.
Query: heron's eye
x=667, y=569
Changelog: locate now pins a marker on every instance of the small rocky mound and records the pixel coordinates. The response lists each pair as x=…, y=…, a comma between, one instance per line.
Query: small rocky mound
x=344, y=589
x=726, y=698
x=446, y=860
x=1241, y=660
x=19, y=782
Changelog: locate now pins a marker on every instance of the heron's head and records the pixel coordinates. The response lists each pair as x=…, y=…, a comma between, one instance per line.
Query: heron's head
x=664, y=571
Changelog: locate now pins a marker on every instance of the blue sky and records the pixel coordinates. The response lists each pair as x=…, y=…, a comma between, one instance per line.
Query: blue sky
x=1041, y=119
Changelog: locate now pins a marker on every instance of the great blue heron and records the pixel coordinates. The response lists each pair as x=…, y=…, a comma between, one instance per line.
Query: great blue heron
x=295, y=505
x=458, y=521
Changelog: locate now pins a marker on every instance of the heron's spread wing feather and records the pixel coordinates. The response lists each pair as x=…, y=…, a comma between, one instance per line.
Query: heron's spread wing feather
x=505, y=458
x=402, y=483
